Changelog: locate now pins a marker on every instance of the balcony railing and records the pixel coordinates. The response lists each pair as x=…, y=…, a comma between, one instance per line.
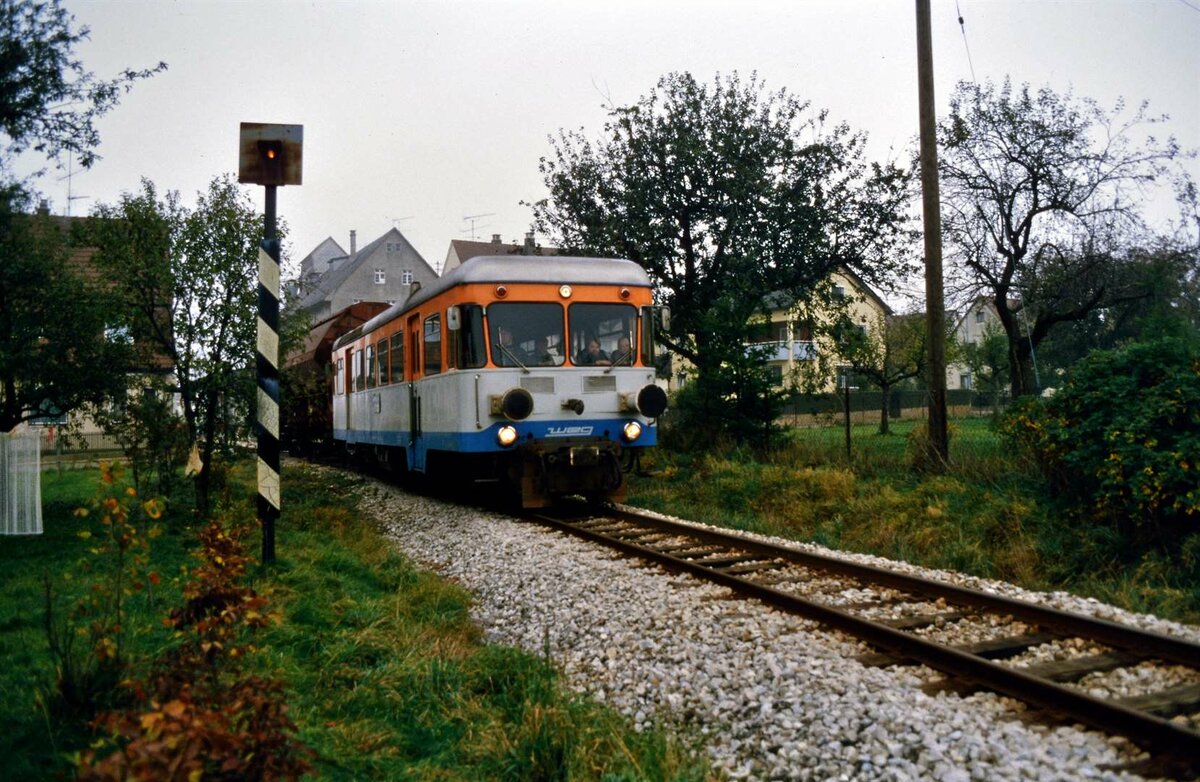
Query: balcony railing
x=782, y=350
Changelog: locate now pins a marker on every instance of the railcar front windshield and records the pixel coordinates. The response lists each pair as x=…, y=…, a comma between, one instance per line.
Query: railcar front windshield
x=599, y=333
x=526, y=334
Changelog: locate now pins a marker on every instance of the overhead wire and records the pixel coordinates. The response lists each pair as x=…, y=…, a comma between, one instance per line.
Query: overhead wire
x=962, y=26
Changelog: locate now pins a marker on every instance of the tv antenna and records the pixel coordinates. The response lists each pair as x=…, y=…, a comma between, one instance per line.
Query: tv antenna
x=473, y=218
x=69, y=177
x=397, y=220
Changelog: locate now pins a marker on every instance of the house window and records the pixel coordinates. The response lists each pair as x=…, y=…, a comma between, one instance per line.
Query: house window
x=380, y=277
x=964, y=381
x=980, y=316
x=406, y=277
x=839, y=292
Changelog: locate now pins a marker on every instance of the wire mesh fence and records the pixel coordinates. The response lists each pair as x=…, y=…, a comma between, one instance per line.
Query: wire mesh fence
x=75, y=450
x=20, y=484
x=847, y=427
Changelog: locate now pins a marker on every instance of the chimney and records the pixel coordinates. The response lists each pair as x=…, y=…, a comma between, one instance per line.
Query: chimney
x=44, y=208
x=529, y=245
x=496, y=239
x=353, y=242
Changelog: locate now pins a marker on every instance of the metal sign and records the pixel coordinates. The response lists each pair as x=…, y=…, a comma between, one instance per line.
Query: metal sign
x=270, y=154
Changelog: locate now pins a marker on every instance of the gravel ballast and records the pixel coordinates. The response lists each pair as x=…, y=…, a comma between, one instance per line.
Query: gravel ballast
x=769, y=696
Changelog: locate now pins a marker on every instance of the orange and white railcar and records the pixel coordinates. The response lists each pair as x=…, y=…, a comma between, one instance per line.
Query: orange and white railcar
x=486, y=375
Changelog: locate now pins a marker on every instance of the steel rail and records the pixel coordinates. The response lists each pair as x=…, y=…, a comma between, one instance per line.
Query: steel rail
x=1149, y=644
x=1144, y=729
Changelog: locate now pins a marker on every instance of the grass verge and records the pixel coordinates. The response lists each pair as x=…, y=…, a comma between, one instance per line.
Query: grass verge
x=988, y=515
x=387, y=677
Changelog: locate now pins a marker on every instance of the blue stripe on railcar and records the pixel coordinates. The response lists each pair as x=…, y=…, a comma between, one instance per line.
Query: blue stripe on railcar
x=485, y=440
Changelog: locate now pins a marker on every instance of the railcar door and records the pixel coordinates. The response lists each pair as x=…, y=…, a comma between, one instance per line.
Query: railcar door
x=412, y=373
x=346, y=369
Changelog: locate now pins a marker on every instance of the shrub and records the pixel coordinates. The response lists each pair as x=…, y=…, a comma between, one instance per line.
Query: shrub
x=1121, y=439
x=199, y=716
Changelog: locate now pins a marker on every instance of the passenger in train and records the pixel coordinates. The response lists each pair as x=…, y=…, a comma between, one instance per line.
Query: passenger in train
x=593, y=356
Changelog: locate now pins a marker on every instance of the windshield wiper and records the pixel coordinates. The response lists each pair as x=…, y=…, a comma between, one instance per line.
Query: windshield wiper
x=513, y=356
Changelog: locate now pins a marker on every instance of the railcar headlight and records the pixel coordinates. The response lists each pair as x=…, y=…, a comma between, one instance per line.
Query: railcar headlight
x=631, y=431
x=507, y=435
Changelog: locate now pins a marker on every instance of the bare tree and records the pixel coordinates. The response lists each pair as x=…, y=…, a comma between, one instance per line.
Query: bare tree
x=1039, y=193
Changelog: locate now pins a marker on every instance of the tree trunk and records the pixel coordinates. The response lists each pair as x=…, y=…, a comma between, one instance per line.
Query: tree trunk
x=885, y=408
x=1020, y=364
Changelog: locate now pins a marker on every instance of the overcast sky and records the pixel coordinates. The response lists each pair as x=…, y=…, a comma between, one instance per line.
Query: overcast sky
x=419, y=114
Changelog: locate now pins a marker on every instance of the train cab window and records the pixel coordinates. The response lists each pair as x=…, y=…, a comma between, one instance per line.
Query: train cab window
x=606, y=324
x=370, y=366
x=433, y=344
x=381, y=355
x=526, y=334
x=357, y=361
x=340, y=382
x=649, y=327
x=398, y=357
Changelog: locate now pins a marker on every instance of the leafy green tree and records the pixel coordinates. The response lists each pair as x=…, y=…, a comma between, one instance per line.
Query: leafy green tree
x=48, y=101
x=54, y=355
x=187, y=278
x=725, y=193
x=1039, y=194
x=58, y=349
x=1166, y=276
x=893, y=351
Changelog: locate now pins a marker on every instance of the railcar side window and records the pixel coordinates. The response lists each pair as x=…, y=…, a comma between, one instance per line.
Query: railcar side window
x=433, y=344
x=471, y=352
x=605, y=324
x=526, y=334
x=370, y=366
x=381, y=355
x=341, y=376
x=398, y=357
x=358, y=370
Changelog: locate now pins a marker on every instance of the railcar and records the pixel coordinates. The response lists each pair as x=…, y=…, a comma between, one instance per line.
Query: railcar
x=486, y=375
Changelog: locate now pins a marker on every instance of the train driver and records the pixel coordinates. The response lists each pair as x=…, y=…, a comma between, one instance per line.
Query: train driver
x=623, y=355
x=507, y=352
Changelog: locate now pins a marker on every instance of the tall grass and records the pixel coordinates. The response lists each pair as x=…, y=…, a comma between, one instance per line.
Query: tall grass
x=39, y=735
x=988, y=515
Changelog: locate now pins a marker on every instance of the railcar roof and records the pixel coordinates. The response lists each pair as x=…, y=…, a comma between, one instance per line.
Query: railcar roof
x=515, y=269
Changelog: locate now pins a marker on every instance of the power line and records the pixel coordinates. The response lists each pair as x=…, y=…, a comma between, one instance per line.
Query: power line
x=1189, y=5
x=967, y=46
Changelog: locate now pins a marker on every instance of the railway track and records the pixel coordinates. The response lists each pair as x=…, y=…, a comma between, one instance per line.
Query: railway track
x=912, y=620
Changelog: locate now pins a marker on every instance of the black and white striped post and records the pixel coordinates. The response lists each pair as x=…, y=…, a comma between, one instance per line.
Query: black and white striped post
x=270, y=155
x=266, y=425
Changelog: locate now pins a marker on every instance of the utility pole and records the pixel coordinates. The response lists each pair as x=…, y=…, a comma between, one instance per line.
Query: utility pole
x=269, y=155
x=935, y=304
